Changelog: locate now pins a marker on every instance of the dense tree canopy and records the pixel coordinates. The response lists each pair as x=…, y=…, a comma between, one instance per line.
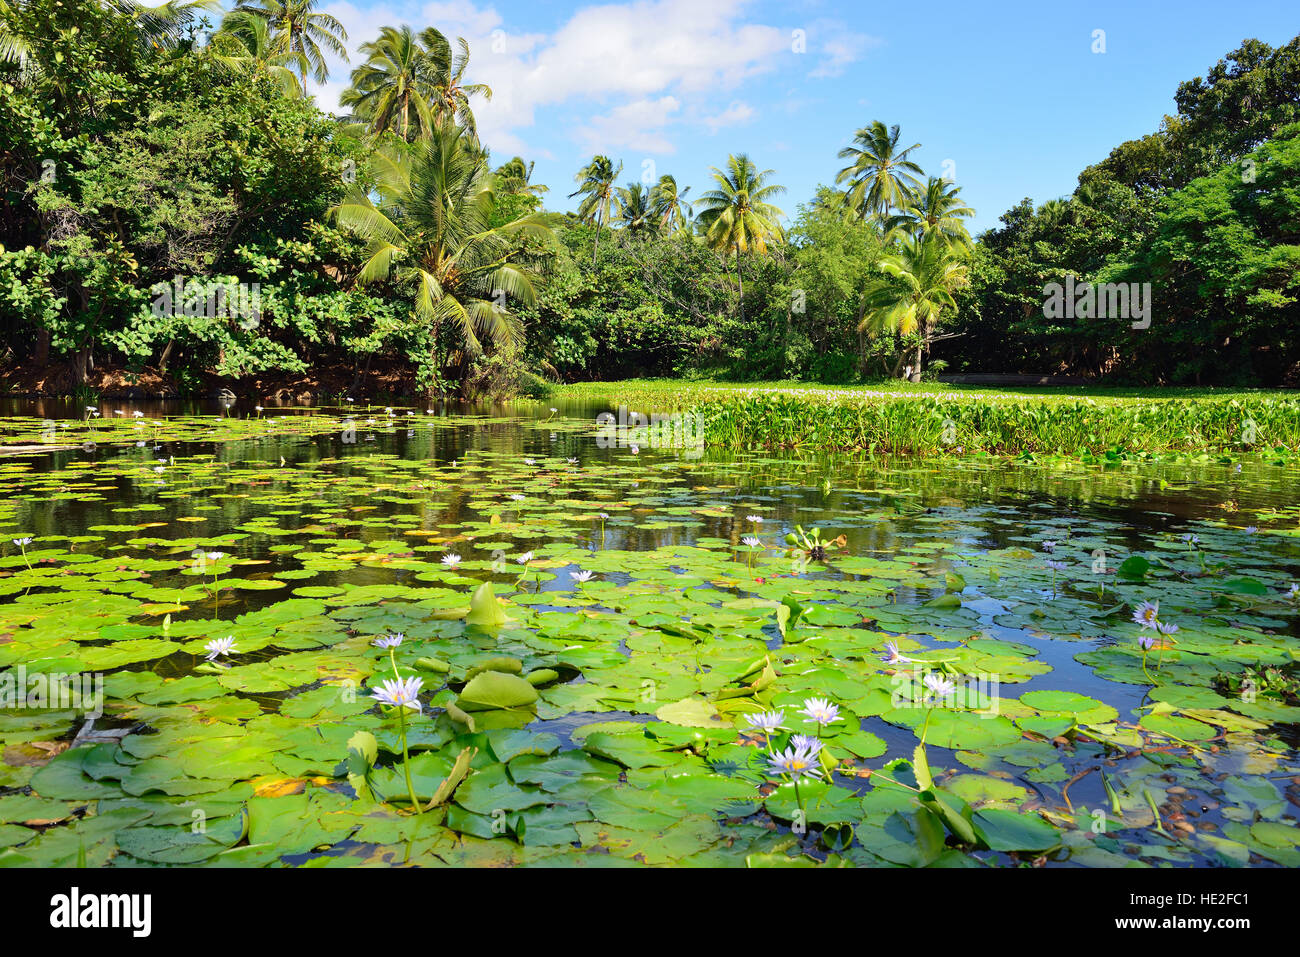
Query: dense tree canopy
x=172, y=202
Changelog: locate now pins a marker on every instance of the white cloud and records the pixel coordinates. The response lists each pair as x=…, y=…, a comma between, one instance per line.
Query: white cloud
x=461, y=16
x=637, y=126
x=840, y=47
x=643, y=61
x=737, y=112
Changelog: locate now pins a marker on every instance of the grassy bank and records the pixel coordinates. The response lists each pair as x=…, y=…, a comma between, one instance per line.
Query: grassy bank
x=936, y=419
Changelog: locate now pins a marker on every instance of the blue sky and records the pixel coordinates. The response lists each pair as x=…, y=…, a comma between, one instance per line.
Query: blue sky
x=1008, y=99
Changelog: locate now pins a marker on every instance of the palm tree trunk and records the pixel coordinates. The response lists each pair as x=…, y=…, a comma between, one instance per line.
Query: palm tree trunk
x=740, y=278
x=920, y=351
x=433, y=364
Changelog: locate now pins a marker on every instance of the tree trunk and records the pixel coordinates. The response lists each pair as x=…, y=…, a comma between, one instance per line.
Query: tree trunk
x=80, y=365
x=740, y=277
x=166, y=356
x=42, y=354
x=433, y=365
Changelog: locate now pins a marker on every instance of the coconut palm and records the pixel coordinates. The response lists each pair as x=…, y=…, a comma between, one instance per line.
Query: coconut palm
x=636, y=213
x=296, y=27
x=395, y=86
x=936, y=208
x=430, y=232
x=880, y=176
x=244, y=45
x=451, y=100
x=670, y=206
x=915, y=292
x=736, y=216
x=515, y=176
x=596, y=187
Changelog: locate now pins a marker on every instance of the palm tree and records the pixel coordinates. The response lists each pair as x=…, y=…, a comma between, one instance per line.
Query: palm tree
x=921, y=279
x=515, y=176
x=736, y=216
x=669, y=204
x=431, y=233
x=244, y=45
x=880, y=175
x=596, y=187
x=936, y=208
x=451, y=100
x=296, y=27
x=635, y=211
x=1056, y=212
x=395, y=84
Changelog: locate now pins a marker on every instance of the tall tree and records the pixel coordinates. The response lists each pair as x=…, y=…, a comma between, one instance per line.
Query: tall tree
x=670, y=206
x=298, y=28
x=880, y=176
x=596, y=187
x=937, y=208
x=635, y=211
x=431, y=233
x=244, y=45
x=736, y=216
x=452, y=93
x=395, y=86
x=516, y=176
x=919, y=285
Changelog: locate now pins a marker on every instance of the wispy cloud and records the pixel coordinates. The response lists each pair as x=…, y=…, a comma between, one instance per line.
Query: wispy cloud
x=647, y=66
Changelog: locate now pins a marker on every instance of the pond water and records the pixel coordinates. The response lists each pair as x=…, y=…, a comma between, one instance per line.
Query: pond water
x=612, y=727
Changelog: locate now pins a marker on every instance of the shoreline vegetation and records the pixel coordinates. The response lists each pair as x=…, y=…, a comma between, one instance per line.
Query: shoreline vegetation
x=181, y=217
x=935, y=419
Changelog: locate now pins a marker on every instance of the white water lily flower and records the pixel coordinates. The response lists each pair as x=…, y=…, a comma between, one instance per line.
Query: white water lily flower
x=891, y=656
x=821, y=711
x=389, y=641
x=751, y=541
x=530, y=462
x=451, y=560
x=581, y=577
x=1147, y=614
x=22, y=542
x=797, y=763
x=400, y=693
x=756, y=519
x=766, y=721
x=516, y=497
x=939, y=685
x=525, y=558
x=138, y=414
x=220, y=646
x=215, y=556
x=806, y=742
